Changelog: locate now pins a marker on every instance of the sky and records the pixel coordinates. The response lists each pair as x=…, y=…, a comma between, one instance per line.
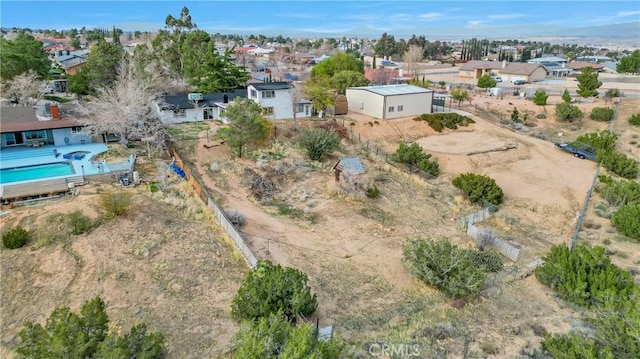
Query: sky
x=319, y=16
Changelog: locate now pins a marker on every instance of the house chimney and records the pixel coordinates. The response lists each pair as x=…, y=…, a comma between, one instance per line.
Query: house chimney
x=225, y=99
x=55, y=111
x=504, y=63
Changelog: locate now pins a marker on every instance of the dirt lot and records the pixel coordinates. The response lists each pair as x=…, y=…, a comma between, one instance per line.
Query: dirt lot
x=349, y=245
x=162, y=264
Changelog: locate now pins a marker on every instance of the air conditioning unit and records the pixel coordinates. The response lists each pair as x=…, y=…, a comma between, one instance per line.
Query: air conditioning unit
x=195, y=97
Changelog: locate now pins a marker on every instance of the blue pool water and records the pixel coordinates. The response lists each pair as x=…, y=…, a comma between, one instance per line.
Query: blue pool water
x=35, y=172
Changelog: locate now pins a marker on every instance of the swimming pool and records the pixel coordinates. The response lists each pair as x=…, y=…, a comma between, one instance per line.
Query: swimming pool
x=28, y=173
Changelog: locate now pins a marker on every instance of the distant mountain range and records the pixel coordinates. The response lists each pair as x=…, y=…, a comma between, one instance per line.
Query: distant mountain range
x=628, y=30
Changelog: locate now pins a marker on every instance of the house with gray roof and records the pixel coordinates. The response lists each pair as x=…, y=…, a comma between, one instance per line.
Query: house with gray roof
x=276, y=100
x=195, y=107
x=390, y=101
x=509, y=71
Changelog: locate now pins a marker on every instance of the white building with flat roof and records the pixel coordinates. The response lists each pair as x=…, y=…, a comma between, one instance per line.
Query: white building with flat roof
x=390, y=101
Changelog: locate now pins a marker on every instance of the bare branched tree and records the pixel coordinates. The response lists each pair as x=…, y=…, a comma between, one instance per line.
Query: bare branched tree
x=123, y=109
x=297, y=95
x=27, y=88
x=411, y=58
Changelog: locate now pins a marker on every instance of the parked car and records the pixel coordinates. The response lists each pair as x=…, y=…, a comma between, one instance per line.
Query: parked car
x=519, y=82
x=498, y=79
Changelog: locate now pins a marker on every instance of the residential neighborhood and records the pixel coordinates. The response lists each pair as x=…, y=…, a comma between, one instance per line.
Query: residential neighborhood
x=284, y=180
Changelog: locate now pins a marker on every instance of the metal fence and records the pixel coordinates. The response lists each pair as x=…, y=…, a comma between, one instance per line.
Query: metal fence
x=219, y=213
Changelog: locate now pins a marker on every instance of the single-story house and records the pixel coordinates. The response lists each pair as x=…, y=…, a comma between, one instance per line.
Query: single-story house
x=580, y=65
x=276, y=100
x=390, y=101
x=47, y=125
x=540, y=60
x=72, y=65
x=508, y=71
x=180, y=108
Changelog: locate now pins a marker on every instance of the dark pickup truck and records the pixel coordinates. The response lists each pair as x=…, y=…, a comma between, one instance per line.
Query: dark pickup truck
x=578, y=151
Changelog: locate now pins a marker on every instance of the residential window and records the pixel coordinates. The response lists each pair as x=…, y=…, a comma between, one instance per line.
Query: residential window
x=77, y=129
x=300, y=108
x=400, y=108
x=182, y=113
x=35, y=135
x=254, y=94
x=391, y=108
x=207, y=113
x=268, y=94
x=267, y=111
x=10, y=138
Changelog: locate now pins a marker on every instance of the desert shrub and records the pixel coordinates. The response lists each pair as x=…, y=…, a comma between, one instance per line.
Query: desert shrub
x=568, y=112
x=635, y=119
x=319, y=142
x=78, y=222
x=602, y=114
x=603, y=140
x=487, y=261
x=479, y=188
x=15, y=237
x=86, y=335
x=614, y=92
x=271, y=288
x=627, y=220
x=261, y=187
x=515, y=115
x=414, y=156
x=618, y=163
x=584, y=276
x=574, y=345
x=275, y=337
x=450, y=120
x=336, y=127
x=618, y=192
x=372, y=191
x=540, y=98
x=541, y=116
x=444, y=266
x=115, y=203
x=236, y=218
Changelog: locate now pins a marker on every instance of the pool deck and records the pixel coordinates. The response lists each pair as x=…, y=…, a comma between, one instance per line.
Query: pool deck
x=23, y=156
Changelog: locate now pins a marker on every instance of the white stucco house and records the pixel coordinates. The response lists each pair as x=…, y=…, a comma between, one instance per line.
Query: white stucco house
x=206, y=107
x=276, y=100
x=390, y=101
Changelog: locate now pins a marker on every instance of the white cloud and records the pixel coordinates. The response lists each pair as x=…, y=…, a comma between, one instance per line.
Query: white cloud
x=430, y=16
x=475, y=24
x=505, y=16
x=627, y=13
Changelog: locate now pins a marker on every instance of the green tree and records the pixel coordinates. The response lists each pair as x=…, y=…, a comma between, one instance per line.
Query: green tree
x=21, y=55
x=515, y=115
x=385, y=46
x=246, y=127
x=486, y=81
x=568, y=112
x=618, y=163
x=566, y=97
x=274, y=337
x=205, y=69
x=347, y=78
x=79, y=83
x=271, y=288
x=635, y=119
x=319, y=142
x=479, y=188
x=103, y=64
x=574, y=345
x=584, y=276
x=588, y=82
x=414, y=155
x=336, y=63
x=444, y=266
x=318, y=92
x=70, y=335
x=629, y=64
x=459, y=95
x=603, y=140
x=540, y=98
x=627, y=220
